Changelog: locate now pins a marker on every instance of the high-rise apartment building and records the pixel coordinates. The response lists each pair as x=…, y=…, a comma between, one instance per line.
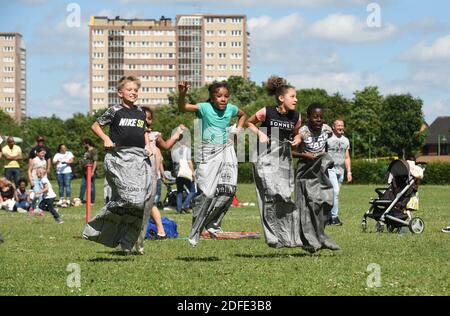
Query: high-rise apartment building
x=142, y=48
x=13, y=75
x=199, y=49
x=212, y=47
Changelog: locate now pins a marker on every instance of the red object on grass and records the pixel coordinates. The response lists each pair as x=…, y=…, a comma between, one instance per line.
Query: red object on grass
x=235, y=201
x=88, y=192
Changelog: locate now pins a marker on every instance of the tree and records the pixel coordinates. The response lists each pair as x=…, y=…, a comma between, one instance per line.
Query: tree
x=242, y=91
x=8, y=127
x=402, y=118
x=307, y=96
x=364, y=124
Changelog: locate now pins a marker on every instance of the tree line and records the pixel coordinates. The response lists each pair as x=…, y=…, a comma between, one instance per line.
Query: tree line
x=377, y=125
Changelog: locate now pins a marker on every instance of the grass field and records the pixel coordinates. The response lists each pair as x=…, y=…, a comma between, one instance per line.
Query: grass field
x=36, y=254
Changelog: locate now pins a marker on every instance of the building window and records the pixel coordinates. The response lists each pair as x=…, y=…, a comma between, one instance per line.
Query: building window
x=222, y=32
x=8, y=90
x=8, y=69
x=8, y=59
x=9, y=100
x=222, y=44
x=222, y=67
x=98, y=90
x=8, y=48
x=236, y=44
x=97, y=32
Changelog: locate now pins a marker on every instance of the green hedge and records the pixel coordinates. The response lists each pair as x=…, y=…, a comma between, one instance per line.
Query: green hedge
x=437, y=173
x=372, y=172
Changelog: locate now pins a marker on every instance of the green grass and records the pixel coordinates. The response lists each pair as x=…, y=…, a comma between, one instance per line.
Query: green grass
x=35, y=256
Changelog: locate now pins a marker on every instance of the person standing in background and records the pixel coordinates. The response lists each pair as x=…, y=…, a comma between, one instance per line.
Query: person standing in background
x=63, y=160
x=48, y=155
x=12, y=154
x=339, y=150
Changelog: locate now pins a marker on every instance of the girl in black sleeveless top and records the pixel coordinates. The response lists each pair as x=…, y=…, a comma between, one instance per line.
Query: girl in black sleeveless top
x=273, y=173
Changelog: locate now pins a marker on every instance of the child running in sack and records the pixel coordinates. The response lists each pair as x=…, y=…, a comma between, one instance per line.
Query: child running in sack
x=216, y=174
x=129, y=170
x=313, y=188
x=272, y=171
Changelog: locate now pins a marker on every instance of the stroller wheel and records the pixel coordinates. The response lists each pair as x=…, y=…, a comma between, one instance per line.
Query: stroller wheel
x=416, y=225
x=364, y=225
x=379, y=227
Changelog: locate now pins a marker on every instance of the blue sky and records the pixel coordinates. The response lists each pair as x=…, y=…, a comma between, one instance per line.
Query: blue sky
x=322, y=43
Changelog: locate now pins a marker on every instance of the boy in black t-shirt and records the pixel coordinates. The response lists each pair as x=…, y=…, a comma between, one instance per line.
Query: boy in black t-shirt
x=128, y=170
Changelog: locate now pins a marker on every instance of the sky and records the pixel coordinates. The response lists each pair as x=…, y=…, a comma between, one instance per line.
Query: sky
x=401, y=46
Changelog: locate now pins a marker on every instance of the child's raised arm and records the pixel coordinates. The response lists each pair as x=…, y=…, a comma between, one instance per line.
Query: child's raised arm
x=182, y=105
x=161, y=143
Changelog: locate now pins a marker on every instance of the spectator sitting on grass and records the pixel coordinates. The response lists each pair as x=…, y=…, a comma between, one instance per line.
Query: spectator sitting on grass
x=23, y=196
x=7, y=195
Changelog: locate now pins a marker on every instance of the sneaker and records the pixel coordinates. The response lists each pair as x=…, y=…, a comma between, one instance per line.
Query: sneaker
x=159, y=237
x=186, y=210
x=59, y=220
x=214, y=233
x=336, y=222
x=446, y=229
x=193, y=242
x=60, y=202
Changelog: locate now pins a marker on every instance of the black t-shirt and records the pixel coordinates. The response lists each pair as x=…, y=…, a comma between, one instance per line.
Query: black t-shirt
x=284, y=122
x=33, y=153
x=8, y=194
x=126, y=125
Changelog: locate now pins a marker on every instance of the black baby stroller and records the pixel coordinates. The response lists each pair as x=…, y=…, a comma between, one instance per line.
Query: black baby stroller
x=394, y=205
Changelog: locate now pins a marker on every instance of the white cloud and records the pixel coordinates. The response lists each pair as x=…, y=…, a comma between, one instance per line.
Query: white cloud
x=345, y=83
x=264, y=28
x=345, y=28
x=76, y=89
x=438, y=51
